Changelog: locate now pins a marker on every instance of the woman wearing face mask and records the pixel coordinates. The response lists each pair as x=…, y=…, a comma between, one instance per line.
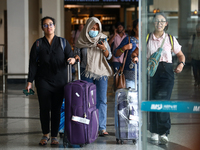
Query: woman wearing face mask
x=161, y=84
x=94, y=65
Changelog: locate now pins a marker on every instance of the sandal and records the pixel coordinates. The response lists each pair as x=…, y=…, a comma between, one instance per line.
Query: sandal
x=44, y=141
x=103, y=133
x=54, y=141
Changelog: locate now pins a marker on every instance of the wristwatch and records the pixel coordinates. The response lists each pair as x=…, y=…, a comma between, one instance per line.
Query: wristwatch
x=182, y=63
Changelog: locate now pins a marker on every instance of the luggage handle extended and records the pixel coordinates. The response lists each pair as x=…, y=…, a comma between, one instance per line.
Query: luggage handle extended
x=69, y=72
x=136, y=76
x=79, y=69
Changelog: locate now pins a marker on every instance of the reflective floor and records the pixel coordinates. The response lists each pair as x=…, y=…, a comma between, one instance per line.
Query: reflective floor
x=20, y=126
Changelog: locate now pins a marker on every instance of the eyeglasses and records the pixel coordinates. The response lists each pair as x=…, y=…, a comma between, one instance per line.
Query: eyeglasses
x=46, y=25
x=162, y=22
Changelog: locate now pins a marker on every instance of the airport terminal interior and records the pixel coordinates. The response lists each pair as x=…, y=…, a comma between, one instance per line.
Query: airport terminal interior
x=20, y=127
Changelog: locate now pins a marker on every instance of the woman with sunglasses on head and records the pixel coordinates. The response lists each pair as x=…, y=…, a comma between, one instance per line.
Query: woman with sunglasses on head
x=161, y=84
x=47, y=66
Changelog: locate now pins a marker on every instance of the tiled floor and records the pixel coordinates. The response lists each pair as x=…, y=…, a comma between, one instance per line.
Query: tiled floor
x=20, y=126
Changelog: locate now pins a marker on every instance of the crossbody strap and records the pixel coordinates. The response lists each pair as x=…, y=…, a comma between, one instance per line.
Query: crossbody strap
x=163, y=42
x=122, y=69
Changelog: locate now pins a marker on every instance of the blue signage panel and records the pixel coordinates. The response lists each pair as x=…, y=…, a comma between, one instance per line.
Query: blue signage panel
x=171, y=106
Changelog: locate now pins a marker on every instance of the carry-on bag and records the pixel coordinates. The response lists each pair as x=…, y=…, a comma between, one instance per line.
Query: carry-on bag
x=126, y=113
x=81, y=114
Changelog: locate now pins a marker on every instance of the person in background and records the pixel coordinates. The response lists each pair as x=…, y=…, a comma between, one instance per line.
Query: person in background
x=114, y=42
x=47, y=66
x=128, y=30
x=75, y=34
x=161, y=84
x=94, y=66
x=194, y=49
x=132, y=56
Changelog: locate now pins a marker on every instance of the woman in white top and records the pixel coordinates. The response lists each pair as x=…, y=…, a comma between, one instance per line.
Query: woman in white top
x=161, y=84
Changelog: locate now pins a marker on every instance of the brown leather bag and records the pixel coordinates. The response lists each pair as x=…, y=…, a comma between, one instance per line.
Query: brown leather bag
x=120, y=81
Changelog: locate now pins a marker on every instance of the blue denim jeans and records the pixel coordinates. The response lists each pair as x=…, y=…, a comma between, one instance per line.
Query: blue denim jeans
x=101, y=87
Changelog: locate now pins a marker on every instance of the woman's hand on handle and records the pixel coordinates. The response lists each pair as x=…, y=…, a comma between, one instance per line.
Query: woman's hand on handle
x=71, y=61
x=135, y=59
x=77, y=58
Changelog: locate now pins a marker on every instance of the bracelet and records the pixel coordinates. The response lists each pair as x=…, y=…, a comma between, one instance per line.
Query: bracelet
x=121, y=50
x=104, y=50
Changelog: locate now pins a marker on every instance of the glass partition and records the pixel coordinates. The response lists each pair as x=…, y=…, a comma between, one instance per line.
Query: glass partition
x=169, y=99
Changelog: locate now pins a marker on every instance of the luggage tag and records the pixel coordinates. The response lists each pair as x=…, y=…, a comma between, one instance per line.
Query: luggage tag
x=132, y=114
x=80, y=119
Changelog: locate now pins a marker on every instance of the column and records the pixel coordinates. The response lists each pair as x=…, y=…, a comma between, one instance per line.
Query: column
x=18, y=37
x=184, y=16
x=55, y=9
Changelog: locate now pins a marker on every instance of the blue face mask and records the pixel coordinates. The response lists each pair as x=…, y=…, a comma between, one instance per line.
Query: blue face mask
x=93, y=33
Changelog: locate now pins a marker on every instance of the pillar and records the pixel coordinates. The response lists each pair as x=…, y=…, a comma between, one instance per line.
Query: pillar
x=55, y=9
x=183, y=16
x=18, y=37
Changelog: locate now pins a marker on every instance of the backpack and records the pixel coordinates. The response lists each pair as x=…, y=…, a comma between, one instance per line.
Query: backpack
x=171, y=39
x=39, y=42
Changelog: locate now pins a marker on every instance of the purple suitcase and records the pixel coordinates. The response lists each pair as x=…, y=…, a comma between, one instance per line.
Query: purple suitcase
x=81, y=114
x=127, y=113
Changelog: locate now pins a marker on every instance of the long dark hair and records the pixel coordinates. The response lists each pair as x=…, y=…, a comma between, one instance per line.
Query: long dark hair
x=135, y=23
x=162, y=14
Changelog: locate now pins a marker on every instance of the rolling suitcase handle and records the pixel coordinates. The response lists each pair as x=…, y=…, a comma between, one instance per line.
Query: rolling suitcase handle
x=136, y=76
x=69, y=72
x=79, y=71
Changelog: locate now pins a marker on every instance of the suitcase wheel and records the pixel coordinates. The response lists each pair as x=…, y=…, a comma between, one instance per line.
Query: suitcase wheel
x=122, y=142
x=117, y=140
x=134, y=142
x=61, y=135
x=64, y=144
x=81, y=145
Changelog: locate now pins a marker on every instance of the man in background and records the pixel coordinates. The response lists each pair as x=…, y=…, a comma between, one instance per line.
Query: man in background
x=75, y=34
x=114, y=42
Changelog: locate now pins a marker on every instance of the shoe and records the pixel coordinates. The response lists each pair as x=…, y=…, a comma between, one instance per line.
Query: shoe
x=54, y=141
x=163, y=139
x=44, y=141
x=154, y=137
x=103, y=133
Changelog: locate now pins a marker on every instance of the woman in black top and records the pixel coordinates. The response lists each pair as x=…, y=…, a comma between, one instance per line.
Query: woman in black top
x=47, y=66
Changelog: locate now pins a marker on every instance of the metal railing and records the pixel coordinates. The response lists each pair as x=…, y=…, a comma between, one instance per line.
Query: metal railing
x=3, y=69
